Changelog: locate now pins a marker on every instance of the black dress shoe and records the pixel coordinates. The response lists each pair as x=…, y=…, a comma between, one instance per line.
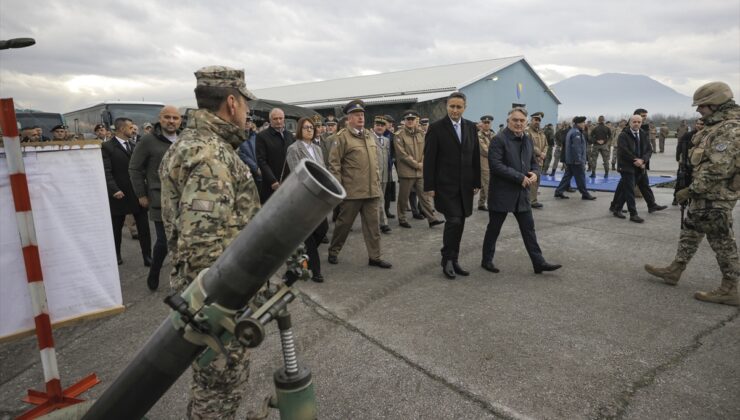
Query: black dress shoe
x=482, y=208
x=379, y=263
x=385, y=228
x=588, y=197
x=448, y=269
x=325, y=240
x=404, y=224
x=570, y=189
x=561, y=195
x=552, y=173
x=333, y=259
x=546, y=267
x=418, y=216
x=459, y=270
x=618, y=215
x=147, y=261
x=655, y=208
x=593, y=175
x=537, y=205
x=152, y=281
x=488, y=265
x=435, y=223
x=318, y=278
x=637, y=219
x=390, y=216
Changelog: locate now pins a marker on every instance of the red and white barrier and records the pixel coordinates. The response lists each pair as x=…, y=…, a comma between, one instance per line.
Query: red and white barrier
x=54, y=397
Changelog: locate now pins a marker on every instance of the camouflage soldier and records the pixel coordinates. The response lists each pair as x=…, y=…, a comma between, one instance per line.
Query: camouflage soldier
x=600, y=136
x=540, y=151
x=653, y=132
x=208, y=196
x=559, y=141
x=712, y=194
x=613, y=143
x=485, y=135
x=550, y=136
x=662, y=135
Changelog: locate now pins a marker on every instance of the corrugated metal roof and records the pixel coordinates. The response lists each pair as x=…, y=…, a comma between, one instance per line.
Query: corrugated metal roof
x=400, y=86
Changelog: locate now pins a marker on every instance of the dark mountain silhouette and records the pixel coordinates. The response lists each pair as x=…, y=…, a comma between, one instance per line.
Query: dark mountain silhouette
x=616, y=95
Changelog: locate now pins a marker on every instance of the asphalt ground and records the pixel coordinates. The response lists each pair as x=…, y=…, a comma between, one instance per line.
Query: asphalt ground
x=597, y=339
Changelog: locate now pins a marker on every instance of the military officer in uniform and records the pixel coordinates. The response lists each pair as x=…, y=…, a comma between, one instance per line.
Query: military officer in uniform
x=354, y=162
x=662, y=136
x=540, y=151
x=202, y=217
x=550, y=136
x=383, y=145
x=712, y=194
x=485, y=135
x=600, y=136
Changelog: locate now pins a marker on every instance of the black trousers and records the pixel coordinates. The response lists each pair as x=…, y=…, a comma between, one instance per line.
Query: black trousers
x=159, y=253
x=526, y=227
x=142, y=225
x=312, y=247
x=573, y=171
x=451, y=237
x=640, y=180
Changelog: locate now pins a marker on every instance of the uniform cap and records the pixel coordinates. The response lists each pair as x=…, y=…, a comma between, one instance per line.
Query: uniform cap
x=97, y=126
x=148, y=124
x=486, y=118
x=59, y=127
x=578, y=120
x=424, y=120
x=222, y=76
x=331, y=122
x=380, y=119
x=410, y=113
x=355, y=105
x=389, y=118
x=712, y=93
x=538, y=114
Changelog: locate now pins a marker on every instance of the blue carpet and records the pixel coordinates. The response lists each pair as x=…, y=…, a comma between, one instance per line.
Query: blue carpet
x=599, y=183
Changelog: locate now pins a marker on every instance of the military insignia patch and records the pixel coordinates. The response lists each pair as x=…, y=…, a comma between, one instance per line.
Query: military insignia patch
x=721, y=147
x=202, y=205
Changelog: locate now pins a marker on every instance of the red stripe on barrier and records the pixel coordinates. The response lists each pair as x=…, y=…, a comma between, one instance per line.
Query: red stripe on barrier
x=21, y=196
x=8, y=122
x=54, y=388
x=43, y=331
x=33, y=263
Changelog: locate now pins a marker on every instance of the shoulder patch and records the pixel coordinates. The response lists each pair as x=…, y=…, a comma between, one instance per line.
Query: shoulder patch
x=203, y=205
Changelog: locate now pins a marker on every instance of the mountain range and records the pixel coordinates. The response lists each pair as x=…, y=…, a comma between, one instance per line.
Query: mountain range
x=617, y=95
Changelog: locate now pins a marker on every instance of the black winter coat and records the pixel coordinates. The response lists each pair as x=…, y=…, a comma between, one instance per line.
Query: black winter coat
x=451, y=167
x=271, y=150
x=626, y=152
x=115, y=163
x=510, y=158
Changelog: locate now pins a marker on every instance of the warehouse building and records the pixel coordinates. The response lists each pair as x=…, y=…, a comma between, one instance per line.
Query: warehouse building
x=491, y=86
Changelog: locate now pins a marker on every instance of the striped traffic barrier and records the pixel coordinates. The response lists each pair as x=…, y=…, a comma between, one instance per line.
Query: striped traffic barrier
x=54, y=397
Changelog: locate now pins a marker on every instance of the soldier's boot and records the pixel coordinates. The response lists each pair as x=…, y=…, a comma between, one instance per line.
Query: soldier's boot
x=725, y=294
x=670, y=275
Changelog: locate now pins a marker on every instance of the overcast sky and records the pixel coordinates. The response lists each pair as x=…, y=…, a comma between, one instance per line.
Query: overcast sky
x=90, y=51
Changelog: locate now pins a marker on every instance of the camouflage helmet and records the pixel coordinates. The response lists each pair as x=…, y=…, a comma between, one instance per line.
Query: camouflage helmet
x=712, y=93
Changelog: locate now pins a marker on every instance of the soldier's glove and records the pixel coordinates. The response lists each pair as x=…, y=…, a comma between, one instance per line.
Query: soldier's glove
x=682, y=196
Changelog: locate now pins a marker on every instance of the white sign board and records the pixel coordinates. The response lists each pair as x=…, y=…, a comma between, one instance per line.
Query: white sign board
x=75, y=239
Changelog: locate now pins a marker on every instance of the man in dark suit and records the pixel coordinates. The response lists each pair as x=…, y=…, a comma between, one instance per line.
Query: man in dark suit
x=514, y=170
x=633, y=154
x=121, y=197
x=272, y=146
x=452, y=176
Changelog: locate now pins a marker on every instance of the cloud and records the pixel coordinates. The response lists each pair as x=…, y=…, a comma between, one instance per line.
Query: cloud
x=91, y=50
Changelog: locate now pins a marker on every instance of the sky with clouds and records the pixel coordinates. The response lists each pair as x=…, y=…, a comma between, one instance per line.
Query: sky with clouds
x=89, y=51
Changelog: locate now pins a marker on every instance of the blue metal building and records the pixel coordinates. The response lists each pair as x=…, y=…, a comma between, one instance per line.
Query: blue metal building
x=491, y=86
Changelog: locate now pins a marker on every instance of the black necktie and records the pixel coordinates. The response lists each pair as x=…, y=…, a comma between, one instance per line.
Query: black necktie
x=128, y=146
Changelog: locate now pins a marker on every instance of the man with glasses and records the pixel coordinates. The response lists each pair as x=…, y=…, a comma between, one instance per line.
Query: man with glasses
x=354, y=163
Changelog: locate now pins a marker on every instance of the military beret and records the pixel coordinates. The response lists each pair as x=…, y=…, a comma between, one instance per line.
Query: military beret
x=578, y=120
x=355, y=105
x=59, y=127
x=538, y=114
x=97, y=126
x=222, y=76
x=424, y=120
x=410, y=113
x=380, y=119
x=486, y=118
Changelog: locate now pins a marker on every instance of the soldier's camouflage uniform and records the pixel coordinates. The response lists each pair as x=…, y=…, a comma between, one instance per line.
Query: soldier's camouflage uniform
x=714, y=191
x=484, y=140
x=208, y=196
x=550, y=136
x=600, y=133
x=539, y=141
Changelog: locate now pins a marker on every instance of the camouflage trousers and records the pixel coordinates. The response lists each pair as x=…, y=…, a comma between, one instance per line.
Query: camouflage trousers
x=716, y=224
x=218, y=388
x=593, y=158
x=483, y=195
x=556, y=158
x=548, y=158
x=614, y=157
x=589, y=149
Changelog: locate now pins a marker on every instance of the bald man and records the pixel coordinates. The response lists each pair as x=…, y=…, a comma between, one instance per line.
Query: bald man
x=143, y=170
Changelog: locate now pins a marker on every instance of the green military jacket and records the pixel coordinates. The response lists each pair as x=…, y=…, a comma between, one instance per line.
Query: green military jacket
x=353, y=161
